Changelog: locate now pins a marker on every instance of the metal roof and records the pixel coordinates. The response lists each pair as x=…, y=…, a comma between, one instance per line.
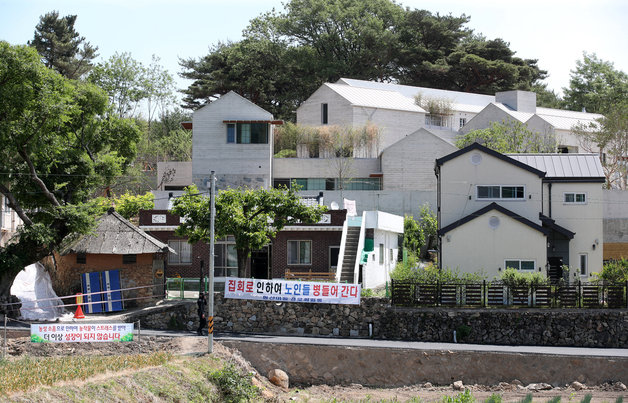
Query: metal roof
x=566, y=122
x=580, y=166
x=375, y=98
x=520, y=116
x=463, y=101
x=114, y=235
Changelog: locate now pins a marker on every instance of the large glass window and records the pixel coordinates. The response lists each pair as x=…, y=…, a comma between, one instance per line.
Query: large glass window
x=183, y=252
x=331, y=183
x=299, y=252
x=520, y=264
x=247, y=133
x=500, y=192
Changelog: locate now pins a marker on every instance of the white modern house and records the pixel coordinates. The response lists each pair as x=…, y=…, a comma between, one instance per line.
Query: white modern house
x=9, y=221
x=532, y=212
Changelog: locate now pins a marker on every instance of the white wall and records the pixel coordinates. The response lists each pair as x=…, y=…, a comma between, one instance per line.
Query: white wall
x=459, y=178
x=484, y=119
x=322, y=167
x=374, y=273
x=477, y=246
x=235, y=164
x=409, y=163
x=394, y=124
x=584, y=219
x=339, y=110
x=182, y=173
x=393, y=201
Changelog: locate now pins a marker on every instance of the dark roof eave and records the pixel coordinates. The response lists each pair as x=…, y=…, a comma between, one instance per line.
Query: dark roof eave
x=551, y=224
x=480, y=147
x=575, y=179
x=486, y=209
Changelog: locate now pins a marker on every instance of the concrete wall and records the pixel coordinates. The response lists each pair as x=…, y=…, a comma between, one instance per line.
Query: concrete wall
x=390, y=201
x=394, y=124
x=409, y=163
x=323, y=168
x=391, y=367
x=521, y=101
x=477, y=246
x=484, y=119
x=376, y=274
x=178, y=174
x=339, y=110
x=235, y=164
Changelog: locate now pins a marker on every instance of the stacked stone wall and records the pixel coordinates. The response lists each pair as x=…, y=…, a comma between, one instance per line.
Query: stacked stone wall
x=376, y=318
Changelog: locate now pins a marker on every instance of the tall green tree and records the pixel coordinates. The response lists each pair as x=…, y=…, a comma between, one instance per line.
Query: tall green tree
x=609, y=136
x=509, y=137
x=595, y=85
x=57, y=147
x=252, y=216
x=61, y=47
x=285, y=56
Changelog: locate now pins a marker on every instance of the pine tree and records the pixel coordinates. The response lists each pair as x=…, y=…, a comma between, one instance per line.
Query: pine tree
x=59, y=45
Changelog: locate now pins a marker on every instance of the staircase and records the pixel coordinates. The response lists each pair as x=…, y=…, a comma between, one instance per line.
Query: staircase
x=351, y=250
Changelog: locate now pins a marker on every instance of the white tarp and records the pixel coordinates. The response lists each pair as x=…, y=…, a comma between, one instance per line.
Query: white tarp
x=32, y=285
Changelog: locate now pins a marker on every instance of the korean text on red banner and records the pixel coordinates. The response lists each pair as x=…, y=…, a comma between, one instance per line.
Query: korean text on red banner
x=292, y=291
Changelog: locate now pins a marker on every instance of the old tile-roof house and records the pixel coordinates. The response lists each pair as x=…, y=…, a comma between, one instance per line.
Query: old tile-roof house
x=115, y=243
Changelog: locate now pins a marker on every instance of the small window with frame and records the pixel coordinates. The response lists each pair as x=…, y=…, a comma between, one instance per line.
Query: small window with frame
x=81, y=258
x=574, y=198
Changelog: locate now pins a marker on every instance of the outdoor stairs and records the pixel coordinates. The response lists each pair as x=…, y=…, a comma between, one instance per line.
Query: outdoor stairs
x=351, y=251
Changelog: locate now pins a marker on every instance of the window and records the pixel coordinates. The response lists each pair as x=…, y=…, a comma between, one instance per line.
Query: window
x=463, y=121
x=381, y=253
x=231, y=130
x=129, y=259
x=183, y=252
x=331, y=183
x=225, y=259
x=299, y=252
x=81, y=258
x=583, y=264
x=520, y=264
x=324, y=117
x=390, y=256
x=334, y=252
x=575, y=198
x=247, y=133
x=500, y=192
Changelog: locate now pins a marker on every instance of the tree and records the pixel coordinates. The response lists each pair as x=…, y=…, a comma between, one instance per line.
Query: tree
x=57, y=146
x=127, y=205
x=60, y=45
x=413, y=236
x=285, y=56
x=609, y=136
x=123, y=78
x=595, y=85
x=509, y=137
x=252, y=216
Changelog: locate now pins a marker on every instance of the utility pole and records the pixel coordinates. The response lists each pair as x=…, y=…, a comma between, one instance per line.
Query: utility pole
x=210, y=304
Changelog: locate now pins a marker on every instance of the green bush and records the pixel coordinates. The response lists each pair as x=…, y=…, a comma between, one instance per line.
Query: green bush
x=234, y=386
x=515, y=278
x=615, y=271
x=432, y=274
x=286, y=154
x=465, y=397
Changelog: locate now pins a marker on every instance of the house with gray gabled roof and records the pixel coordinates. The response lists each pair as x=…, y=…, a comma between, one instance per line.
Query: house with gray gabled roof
x=531, y=212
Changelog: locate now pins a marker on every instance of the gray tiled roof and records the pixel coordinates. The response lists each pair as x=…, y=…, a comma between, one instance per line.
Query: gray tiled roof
x=114, y=235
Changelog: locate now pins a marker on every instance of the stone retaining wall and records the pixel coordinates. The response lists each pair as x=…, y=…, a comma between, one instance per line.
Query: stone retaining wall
x=376, y=318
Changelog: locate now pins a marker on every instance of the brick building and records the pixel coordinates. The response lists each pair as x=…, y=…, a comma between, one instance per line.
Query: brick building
x=115, y=243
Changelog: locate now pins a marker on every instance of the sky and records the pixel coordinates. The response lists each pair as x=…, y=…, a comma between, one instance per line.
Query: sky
x=555, y=32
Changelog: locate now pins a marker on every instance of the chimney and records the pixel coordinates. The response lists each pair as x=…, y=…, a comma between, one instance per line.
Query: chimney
x=521, y=101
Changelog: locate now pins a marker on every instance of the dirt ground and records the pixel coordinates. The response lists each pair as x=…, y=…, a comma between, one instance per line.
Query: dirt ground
x=18, y=346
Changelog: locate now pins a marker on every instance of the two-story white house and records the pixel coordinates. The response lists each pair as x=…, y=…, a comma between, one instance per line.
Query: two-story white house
x=532, y=212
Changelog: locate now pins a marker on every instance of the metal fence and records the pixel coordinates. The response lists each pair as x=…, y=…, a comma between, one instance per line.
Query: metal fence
x=498, y=294
x=188, y=288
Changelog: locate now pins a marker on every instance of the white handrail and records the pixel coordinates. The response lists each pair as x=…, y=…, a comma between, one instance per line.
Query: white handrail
x=341, y=252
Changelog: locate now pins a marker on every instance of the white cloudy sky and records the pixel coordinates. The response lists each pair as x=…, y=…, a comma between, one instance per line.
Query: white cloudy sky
x=555, y=32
